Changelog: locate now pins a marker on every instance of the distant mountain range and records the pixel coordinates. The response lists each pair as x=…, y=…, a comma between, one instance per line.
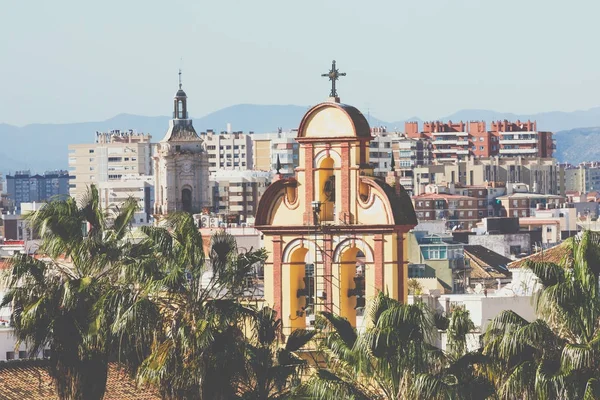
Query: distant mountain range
x=41, y=147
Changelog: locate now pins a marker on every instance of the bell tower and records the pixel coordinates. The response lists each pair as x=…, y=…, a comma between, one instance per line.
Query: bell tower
x=181, y=164
x=335, y=234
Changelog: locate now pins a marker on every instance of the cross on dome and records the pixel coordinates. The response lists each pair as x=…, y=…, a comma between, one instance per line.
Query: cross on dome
x=333, y=75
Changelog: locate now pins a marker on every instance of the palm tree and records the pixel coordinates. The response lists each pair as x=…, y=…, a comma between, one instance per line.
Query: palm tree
x=196, y=348
x=394, y=358
x=459, y=377
x=273, y=369
x=55, y=298
x=557, y=355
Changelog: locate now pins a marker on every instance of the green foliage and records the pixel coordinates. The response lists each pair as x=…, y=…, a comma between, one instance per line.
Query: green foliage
x=557, y=355
x=394, y=357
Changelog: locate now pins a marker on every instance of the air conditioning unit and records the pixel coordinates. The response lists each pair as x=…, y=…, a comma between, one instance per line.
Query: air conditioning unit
x=311, y=320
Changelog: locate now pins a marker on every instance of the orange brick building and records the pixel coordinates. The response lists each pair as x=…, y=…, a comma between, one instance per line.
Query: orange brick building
x=451, y=141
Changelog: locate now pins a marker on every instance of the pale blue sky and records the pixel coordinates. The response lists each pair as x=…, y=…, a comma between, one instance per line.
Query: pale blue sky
x=69, y=61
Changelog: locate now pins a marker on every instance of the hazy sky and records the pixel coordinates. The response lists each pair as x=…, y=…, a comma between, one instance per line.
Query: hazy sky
x=70, y=61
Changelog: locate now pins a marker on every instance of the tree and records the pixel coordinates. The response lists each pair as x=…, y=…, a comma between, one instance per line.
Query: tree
x=55, y=298
x=392, y=358
x=273, y=369
x=197, y=346
x=558, y=355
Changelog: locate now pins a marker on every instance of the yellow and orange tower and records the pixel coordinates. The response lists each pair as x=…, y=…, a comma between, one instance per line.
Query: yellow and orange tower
x=334, y=233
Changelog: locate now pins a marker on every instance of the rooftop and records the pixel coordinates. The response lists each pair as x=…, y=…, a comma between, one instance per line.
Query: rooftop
x=559, y=254
x=486, y=264
x=29, y=380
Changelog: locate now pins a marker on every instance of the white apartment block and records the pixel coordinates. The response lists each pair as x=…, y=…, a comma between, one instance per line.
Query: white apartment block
x=113, y=155
x=228, y=151
x=138, y=187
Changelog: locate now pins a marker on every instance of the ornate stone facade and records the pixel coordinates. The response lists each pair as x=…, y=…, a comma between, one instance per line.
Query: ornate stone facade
x=181, y=165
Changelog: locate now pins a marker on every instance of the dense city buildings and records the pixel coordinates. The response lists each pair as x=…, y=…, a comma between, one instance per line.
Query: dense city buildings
x=539, y=174
x=23, y=187
x=235, y=194
x=268, y=148
x=228, y=151
x=181, y=166
x=457, y=141
x=113, y=155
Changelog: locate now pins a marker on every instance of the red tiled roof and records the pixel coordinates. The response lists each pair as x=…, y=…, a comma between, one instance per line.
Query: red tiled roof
x=559, y=254
x=29, y=380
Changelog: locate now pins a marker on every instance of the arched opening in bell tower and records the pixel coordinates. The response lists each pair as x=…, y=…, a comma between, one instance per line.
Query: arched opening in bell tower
x=180, y=109
x=351, y=275
x=186, y=200
x=327, y=189
x=301, y=288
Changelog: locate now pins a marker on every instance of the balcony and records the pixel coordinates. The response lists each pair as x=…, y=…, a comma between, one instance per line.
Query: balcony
x=462, y=142
x=463, y=152
x=518, y=141
x=519, y=151
x=450, y=133
x=444, y=141
x=444, y=151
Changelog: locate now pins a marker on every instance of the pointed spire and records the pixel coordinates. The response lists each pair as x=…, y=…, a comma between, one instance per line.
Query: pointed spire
x=179, y=78
x=278, y=165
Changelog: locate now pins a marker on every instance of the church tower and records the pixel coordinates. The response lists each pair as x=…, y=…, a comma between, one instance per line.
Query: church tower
x=334, y=233
x=181, y=164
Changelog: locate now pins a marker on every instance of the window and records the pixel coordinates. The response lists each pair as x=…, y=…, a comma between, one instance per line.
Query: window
x=480, y=147
x=115, y=159
x=427, y=204
x=481, y=138
x=126, y=159
x=470, y=202
x=461, y=203
x=523, y=213
x=470, y=214
x=22, y=354
x=515, y=249
x=91, y=151
x=427, y=214
x=515, y=213
x=10, y=355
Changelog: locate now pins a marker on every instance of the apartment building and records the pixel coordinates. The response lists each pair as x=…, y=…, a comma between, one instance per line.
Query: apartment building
x=524, y=204
x=113, y=155
x=23, y=187
x=583, y=178
x=539, y=174
x=268, y=146
x=460, y=210
x=458, y=141
x=236, y=194
x=229, y=151
x=137, y=187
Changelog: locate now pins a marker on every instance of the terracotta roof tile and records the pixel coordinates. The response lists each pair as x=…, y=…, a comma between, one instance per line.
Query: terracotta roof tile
x=29, y=380
x=559, y=254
